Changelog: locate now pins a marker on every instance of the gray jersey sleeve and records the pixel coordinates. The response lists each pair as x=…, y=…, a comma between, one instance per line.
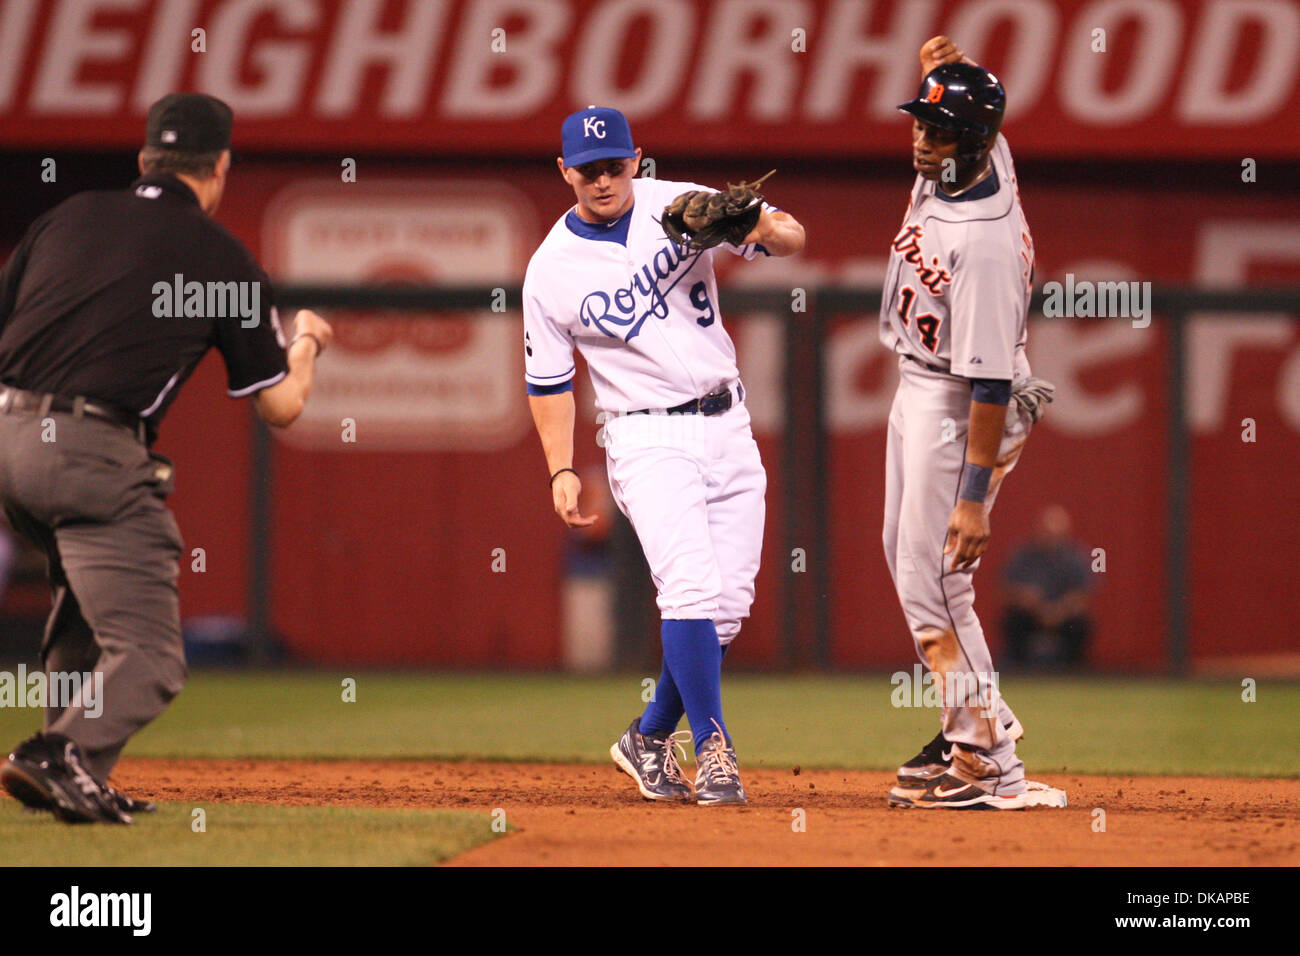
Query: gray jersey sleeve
x=988, y=304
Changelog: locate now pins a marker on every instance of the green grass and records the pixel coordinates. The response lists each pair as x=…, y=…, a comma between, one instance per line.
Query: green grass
x=1084, y=725
x=1094, y=725
x=245, y=835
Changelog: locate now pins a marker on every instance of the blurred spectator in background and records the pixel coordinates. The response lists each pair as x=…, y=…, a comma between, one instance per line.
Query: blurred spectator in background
x=1047, y=582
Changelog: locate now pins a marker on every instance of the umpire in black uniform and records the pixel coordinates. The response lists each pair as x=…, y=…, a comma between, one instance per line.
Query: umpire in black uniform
x=106, y=307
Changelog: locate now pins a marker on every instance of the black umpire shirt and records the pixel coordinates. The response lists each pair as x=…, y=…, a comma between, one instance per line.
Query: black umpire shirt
x=117, y=295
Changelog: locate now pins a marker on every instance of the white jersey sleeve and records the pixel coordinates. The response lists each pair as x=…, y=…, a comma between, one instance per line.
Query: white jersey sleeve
x=548, y=348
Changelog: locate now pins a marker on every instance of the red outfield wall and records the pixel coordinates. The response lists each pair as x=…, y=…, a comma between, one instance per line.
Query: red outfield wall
x=384, y=546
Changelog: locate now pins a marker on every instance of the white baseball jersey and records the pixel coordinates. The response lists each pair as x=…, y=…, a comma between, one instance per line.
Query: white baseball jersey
x=643, y=313
x=957, y=291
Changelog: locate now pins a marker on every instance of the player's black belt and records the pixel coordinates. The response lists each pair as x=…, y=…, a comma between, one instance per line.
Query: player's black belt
x=17, y=400
x=715, y=403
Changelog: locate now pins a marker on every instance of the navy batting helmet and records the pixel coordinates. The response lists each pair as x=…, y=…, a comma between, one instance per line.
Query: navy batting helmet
x=965, y=99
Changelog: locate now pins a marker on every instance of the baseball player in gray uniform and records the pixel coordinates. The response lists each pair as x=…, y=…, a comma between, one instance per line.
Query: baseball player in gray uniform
x=955, y=302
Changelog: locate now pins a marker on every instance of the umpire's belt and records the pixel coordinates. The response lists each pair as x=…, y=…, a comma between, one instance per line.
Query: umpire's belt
x=715, y=403
x=17, y=400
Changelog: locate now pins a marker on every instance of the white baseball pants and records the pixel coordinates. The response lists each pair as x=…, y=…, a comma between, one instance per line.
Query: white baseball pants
x=693, y=487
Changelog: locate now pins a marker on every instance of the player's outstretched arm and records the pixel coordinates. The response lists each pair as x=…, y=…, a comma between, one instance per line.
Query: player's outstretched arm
x=554, y=416
x=282, y=403
x=778, y=232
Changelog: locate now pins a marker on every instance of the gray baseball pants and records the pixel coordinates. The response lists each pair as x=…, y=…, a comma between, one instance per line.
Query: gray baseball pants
x=90, y=494
x=924, y=456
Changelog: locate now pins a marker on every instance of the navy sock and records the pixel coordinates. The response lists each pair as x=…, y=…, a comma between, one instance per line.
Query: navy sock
x=665, y=712
x=694, y=659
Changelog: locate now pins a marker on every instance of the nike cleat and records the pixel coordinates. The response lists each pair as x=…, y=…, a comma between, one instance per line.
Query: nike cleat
x=936, y=757
x=947, y=792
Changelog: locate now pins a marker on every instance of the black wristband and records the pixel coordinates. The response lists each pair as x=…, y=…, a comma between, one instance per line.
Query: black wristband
x=308, y=335
x=558, y=473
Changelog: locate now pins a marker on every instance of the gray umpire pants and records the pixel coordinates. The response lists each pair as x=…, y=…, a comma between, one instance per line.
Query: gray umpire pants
x=89, y=493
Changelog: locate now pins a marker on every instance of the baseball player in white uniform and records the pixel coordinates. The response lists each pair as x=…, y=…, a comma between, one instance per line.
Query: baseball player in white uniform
x=954, y=308
x=682, y=463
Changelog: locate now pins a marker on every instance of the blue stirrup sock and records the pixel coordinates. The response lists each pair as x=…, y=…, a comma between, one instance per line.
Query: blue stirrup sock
x=693, y=658
x=665, y=711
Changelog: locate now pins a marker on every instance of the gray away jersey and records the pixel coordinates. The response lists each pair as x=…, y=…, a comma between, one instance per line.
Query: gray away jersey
x=957, y=291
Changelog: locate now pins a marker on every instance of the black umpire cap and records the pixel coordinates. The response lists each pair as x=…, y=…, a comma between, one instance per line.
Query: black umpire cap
x=189, y=122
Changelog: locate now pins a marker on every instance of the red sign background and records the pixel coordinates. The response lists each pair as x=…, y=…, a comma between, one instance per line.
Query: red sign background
x=386, y=557
x=1123, y=78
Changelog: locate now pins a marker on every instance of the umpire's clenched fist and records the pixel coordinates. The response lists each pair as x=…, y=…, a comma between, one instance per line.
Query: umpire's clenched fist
x=307, y=322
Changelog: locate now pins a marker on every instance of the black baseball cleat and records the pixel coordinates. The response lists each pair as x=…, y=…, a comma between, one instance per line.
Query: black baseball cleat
x=129, y=804
x=717, y=778
x=20, y=784
x=947, y=792
x=936, y=757
x=933, y=761
x=46, y=772
x=651, y=760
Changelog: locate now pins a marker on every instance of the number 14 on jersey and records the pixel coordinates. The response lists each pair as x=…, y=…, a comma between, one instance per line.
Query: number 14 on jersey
x=927, y=325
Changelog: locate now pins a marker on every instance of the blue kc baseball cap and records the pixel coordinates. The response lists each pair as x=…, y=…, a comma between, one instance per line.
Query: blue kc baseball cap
x=596, y=133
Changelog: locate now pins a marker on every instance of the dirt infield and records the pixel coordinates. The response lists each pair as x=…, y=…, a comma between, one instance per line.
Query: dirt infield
x=592, y=815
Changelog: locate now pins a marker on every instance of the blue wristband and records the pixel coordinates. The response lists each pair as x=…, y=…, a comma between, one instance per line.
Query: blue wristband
x=975, y=483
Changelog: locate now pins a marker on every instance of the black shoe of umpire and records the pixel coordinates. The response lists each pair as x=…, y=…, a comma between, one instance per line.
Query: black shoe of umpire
x=129, y=804
x=47, y=772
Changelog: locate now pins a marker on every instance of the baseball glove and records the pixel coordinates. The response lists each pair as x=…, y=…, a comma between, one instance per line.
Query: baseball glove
x=701, y=220
x=1033, y=395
